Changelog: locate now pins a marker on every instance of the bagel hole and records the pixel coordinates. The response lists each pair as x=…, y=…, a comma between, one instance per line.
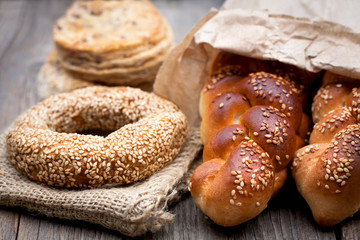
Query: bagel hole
x=95, y=132
x=91, y=125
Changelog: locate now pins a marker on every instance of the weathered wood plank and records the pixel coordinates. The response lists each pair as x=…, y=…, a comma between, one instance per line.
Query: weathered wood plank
x=24, y=53
x=287, y=217
x=351, y=228
x=9, y=221
x=10, y=19
x=63, y=229
x=28, y=227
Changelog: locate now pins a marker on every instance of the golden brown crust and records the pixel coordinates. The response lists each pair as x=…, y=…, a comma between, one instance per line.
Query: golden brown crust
x=53, y=79
x=299, y=79
x=270, y=90
x=113, y=42
x=327, y=175
x=327, y=172
x=260, y=89
x=329, y=97
x=272, y=131
x=235, y=190
x=250, y=129
x=105, y=26
x=224, y=110
x=224, y=141
x=335, y=121
x=148, y=132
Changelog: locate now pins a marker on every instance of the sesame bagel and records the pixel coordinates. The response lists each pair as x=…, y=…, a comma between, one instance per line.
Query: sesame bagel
x=45, y=143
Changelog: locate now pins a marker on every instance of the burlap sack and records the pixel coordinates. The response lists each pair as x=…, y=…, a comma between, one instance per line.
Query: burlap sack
x=130, y=209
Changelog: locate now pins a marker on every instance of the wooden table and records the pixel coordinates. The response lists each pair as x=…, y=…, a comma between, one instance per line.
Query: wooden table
x=25, y=41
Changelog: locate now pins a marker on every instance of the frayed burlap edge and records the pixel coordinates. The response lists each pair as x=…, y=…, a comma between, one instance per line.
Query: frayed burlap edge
x=130, y=209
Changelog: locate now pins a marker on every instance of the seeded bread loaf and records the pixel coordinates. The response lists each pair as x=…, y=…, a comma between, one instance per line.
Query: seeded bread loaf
x=251, y=127
x=327, y=172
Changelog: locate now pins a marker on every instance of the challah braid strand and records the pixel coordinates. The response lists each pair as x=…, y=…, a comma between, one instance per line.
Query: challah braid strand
x=250, y=129
x=327, y=172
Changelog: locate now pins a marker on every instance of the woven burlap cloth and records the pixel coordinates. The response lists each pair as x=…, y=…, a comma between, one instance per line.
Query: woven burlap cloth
x=130, y=209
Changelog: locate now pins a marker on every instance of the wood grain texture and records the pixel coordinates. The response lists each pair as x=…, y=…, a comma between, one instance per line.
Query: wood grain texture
x=350, y=229
x=287, y=217
x=9, y=221
x=25, y=41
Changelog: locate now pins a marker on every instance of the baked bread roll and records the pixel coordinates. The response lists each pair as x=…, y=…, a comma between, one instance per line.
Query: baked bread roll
x=251, y=127
x=113, y=42
x=53, y=79
x=327, y=172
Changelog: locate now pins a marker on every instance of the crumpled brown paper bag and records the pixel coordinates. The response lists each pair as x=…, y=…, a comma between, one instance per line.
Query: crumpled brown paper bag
x=313, y=45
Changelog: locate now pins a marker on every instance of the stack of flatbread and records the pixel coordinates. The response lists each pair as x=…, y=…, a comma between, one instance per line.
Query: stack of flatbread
x=106, y=42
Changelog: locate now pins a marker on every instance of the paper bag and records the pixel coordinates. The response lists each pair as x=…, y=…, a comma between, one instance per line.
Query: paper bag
x=313, y=45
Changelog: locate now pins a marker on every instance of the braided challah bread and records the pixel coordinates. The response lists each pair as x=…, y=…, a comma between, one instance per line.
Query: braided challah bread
x=251, y=127
x=327, y=172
